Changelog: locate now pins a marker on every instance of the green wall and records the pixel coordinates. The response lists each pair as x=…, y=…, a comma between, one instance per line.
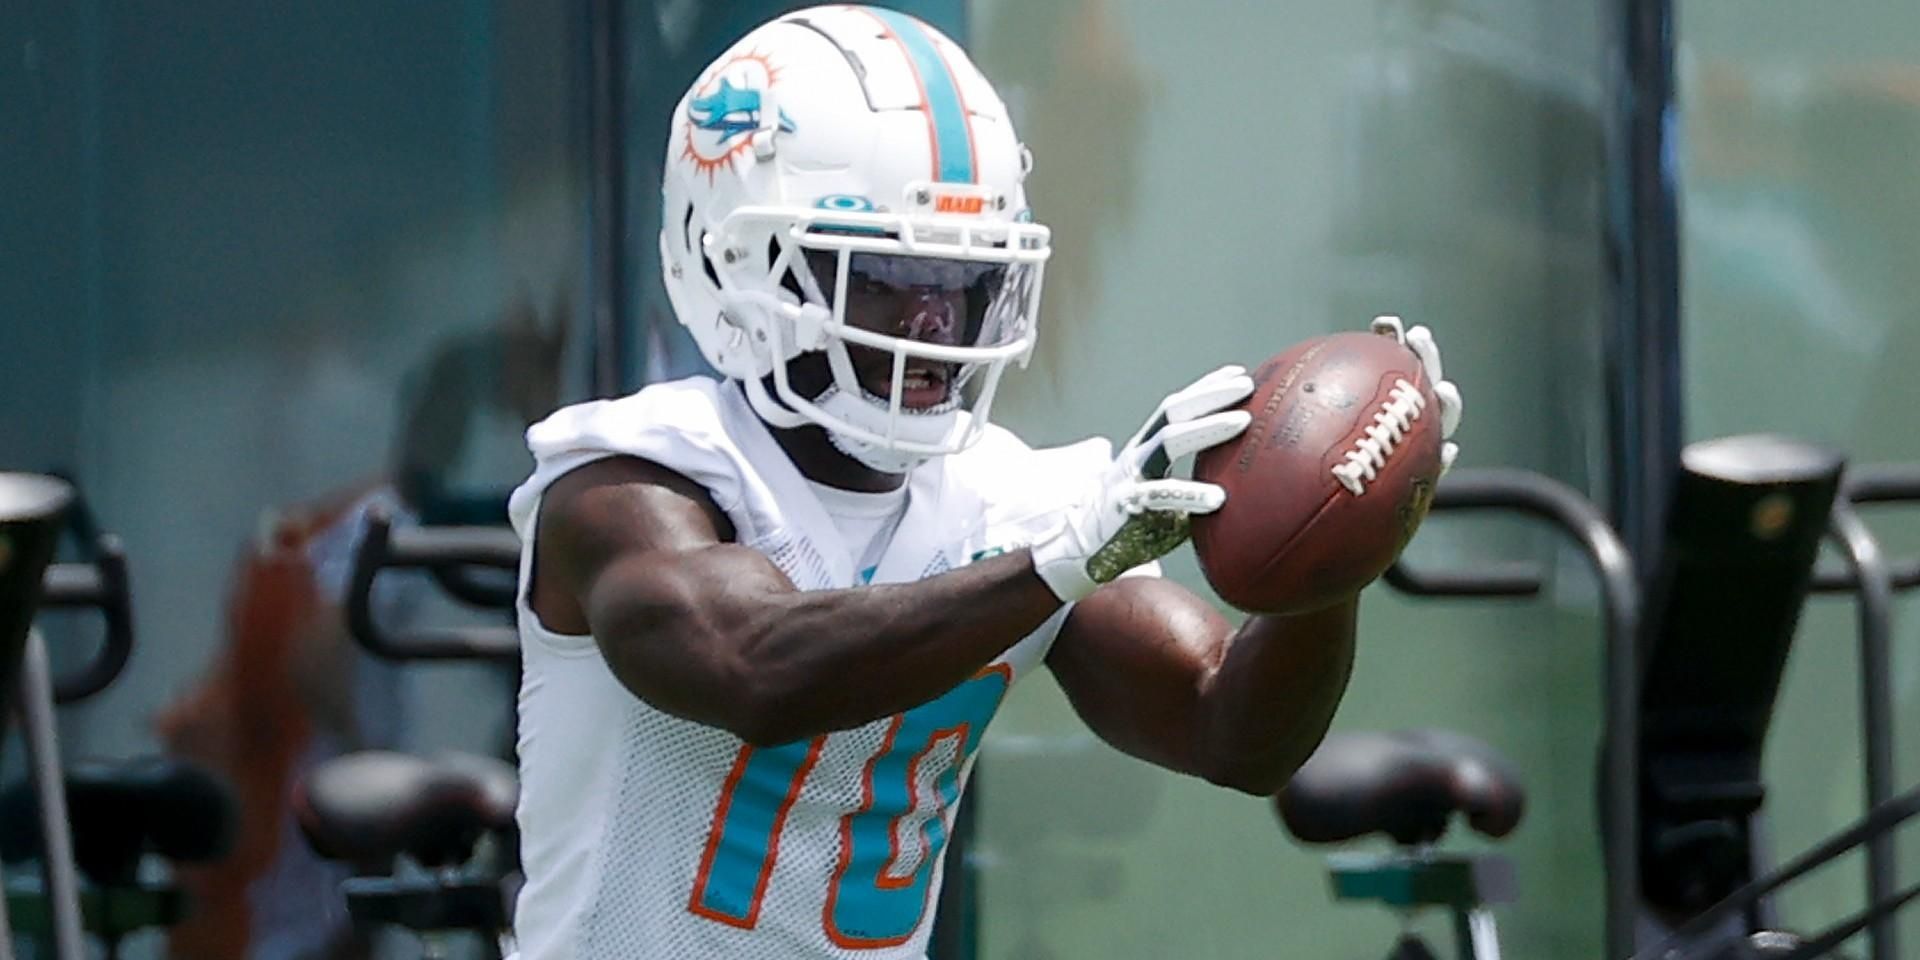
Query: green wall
x=1225, y=179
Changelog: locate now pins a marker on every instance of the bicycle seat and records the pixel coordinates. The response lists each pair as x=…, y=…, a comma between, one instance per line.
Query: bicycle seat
x=368, y=808
x=119, y=810
x=1406, y=784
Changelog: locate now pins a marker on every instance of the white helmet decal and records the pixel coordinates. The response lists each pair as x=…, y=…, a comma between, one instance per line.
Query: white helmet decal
x=839, y=149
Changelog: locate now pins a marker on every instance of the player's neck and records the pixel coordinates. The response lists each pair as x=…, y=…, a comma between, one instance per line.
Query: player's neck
x=820, y=461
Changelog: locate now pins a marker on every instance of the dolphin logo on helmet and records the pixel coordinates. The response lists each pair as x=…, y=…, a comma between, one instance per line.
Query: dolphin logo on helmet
x=731, y=111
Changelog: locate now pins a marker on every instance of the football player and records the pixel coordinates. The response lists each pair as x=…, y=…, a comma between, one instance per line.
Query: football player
x=766, y=618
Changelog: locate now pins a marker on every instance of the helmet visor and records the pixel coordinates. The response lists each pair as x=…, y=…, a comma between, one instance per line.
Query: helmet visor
x=935, y=301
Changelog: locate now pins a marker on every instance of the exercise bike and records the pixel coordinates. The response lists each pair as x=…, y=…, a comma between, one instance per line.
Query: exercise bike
x=1680, y=786
x=107, y=817
x=430, y=840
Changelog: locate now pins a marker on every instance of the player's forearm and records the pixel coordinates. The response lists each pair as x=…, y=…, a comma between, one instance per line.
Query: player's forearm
x=832, y=660
x=1269, y=703
x=783, y=665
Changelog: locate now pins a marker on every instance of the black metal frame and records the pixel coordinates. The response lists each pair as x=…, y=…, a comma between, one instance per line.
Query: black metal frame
x=450, y=554
x=1643, y=233
x=1570, y=512
x=1878, y=822
x=1875, y=593
x=1878, y=484
x=33, y=510
x=1647, y=393
x=1874, y=578
x=607, y=284
x=100, y=584
x=1644, y=358
x=1870, y=574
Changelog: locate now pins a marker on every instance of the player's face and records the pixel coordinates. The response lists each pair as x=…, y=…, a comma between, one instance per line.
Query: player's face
x=938, y=302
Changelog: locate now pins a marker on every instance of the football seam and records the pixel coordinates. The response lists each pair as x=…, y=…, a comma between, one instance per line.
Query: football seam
x=1281, y=553
x=1409, y=408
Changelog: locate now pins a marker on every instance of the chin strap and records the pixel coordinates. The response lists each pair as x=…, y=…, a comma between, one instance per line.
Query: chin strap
x=874, y=456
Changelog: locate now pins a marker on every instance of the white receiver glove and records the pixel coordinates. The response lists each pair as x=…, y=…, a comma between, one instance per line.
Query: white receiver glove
x=1420, y=340
x=1137, y=512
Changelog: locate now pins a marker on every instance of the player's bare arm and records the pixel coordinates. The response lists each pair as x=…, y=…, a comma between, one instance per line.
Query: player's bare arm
x=1157, y=672
x=712, y=631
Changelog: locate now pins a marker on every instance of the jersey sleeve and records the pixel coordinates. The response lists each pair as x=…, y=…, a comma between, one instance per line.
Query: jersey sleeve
x=677, y=426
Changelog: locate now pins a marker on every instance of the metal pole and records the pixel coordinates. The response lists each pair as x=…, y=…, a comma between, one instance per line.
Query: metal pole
x=1644, y=246
x=1869, y=567
x=6, y=924
x=1620, y=593
x=607, y=297
x=56, y=842
x=1645, y=370
x=99, y=584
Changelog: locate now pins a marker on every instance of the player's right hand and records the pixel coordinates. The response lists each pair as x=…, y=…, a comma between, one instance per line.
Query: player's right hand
x=1138, y=512
x=1420, y=341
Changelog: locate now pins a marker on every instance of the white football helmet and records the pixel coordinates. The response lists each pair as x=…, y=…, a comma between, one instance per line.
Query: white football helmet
x=863, y=143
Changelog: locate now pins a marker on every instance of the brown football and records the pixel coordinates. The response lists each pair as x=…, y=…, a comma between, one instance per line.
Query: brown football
x=1329, y=481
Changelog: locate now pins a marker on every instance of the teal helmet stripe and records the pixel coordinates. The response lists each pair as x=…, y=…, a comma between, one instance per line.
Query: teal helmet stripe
x=940, y=97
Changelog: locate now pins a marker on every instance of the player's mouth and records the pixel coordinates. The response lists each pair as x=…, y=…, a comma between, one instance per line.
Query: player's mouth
x=927, y=383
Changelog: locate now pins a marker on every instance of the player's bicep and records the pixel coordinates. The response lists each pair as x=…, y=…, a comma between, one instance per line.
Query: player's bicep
x=1134, y=659
x=597, y=515
x=638, y=556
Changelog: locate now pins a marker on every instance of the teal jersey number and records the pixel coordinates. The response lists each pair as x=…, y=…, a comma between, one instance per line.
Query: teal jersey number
x=888, y=847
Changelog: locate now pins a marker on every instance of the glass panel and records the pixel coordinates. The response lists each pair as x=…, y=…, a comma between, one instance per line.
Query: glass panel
x=1224, y=179
x=1800, y=220
x=261, y=267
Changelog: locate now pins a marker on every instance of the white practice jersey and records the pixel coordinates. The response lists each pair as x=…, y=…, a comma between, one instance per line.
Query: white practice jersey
x=644, y=835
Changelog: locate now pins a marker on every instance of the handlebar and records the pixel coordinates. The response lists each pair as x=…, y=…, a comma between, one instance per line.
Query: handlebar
x=1573, y=514
x=1875, y=484
x=456, y=557
x=1878, y=483
x=99, y=583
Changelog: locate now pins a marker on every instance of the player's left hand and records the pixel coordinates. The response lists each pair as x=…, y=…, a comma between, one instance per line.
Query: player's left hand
x=1138, y=511
x=1420, y=341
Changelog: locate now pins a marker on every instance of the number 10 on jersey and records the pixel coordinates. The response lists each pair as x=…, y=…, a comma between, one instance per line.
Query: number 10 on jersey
x=888, y=846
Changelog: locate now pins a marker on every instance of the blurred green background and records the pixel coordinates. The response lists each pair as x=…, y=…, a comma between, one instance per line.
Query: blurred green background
x=1226, y=179
x=238, y=238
